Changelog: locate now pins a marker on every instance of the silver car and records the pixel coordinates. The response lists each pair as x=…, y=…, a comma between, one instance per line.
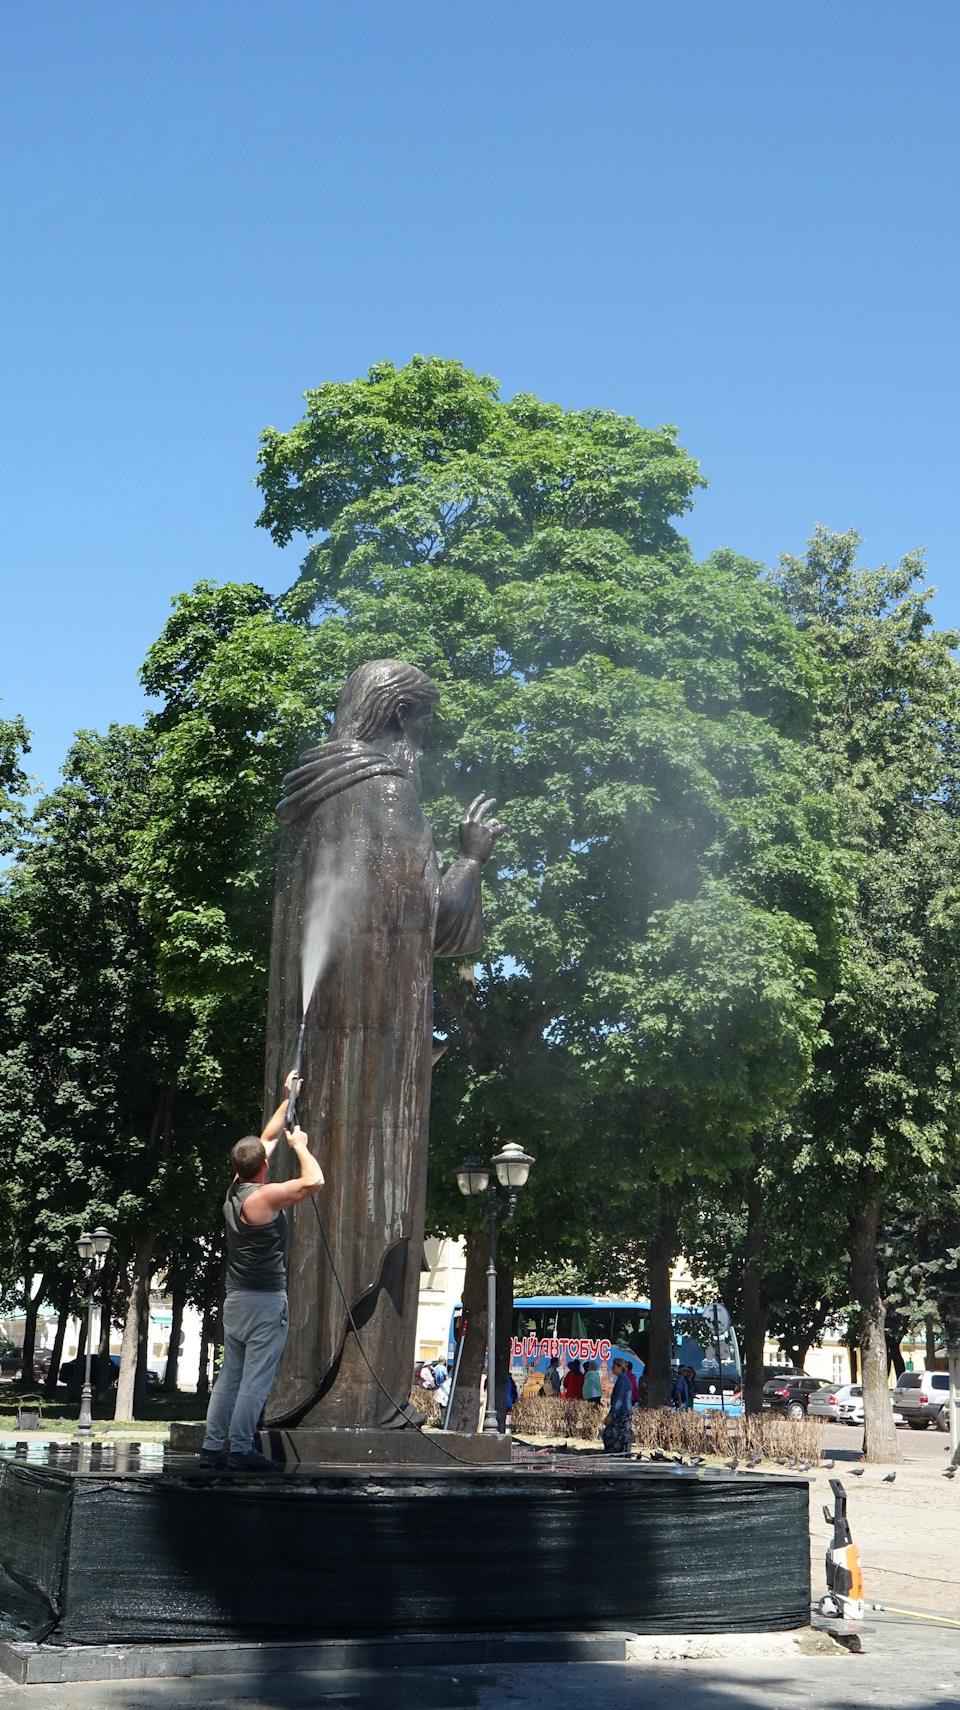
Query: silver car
x=920, y=1397
x=840, y=1401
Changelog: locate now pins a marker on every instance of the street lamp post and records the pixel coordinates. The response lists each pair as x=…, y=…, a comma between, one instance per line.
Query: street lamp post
x=473, y=1179
x=93, y=1249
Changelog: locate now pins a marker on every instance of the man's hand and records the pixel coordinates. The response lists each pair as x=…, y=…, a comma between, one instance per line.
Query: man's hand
x=298, y=1140
x=288, y=1083
x=271, y=1197
x=477, y=838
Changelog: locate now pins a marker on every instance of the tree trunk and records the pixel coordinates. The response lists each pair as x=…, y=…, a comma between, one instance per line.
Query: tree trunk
x=880, y=1432
x=931, y=1358
x=894, y=1355
x=852, y=1357
x=465, y=1408
x=660, y=1253
x=754, y=1309
x=206, y=1336
x=139, y=1293
x=78, y=1375
x=503, y=1338
x=173, y=1348
x=103, y=1373
x=63, y=1318
x=143, y=1351
x=33, y=1302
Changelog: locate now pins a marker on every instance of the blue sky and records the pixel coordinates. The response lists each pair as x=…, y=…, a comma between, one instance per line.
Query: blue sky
x=738, y=217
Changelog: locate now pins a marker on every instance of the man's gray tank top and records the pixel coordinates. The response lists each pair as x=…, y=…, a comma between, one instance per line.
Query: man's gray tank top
x=256, y=1252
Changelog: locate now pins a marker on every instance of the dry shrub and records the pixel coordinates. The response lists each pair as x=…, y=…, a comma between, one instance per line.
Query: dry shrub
x=685, y=1433
x=552, y=1416
x=776, y=1438
x=425, y=1401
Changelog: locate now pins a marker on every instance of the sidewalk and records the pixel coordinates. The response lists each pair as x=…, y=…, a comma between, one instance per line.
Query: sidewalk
x=908, y=1532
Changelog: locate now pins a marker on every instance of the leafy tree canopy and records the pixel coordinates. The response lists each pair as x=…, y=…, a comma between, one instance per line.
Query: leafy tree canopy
x=662, y=909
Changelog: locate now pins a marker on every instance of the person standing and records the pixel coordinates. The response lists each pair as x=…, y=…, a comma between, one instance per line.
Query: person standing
x=592, y=1387
x=616, y=1428
x=551, y=1377
x=573, y=1382
x=255, y=1309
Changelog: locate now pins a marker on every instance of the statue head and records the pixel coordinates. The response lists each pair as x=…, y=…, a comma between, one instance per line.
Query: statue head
x=385, y=702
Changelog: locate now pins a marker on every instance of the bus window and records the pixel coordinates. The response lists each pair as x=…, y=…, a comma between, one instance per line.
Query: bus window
x=629, y=1330
x=539, y=1322
x=577, y=1321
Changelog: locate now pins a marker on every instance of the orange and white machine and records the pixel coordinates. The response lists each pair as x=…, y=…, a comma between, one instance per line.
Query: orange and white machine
x=844, y=1574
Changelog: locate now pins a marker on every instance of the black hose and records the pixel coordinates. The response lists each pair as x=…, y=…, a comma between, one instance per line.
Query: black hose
x=381, y=1386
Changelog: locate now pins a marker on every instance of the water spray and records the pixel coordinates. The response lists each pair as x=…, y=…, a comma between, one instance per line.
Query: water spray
x=319, y=932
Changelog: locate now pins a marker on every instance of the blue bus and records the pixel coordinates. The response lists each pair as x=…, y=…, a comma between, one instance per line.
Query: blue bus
x=582, y=1327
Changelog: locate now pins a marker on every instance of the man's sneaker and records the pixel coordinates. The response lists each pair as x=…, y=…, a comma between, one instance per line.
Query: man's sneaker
x=251, y=1460
x=212, y=1457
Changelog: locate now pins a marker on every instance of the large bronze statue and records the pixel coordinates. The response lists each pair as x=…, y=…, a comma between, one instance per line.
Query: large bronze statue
x=354, y=830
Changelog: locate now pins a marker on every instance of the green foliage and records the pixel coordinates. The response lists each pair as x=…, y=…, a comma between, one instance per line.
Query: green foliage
x=418, y=464
x=94, y=1125
x=14, y=783
x=882, y=1108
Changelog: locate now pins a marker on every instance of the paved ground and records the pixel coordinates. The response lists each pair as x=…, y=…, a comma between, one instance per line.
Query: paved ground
x=908, y=1532
x=900, y=1670
x=909, y=1539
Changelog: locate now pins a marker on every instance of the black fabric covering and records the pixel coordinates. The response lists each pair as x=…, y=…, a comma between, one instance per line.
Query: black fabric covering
x=34, y=1515
x=343, y=1554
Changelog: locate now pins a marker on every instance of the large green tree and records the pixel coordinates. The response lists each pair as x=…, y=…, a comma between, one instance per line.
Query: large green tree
x=881, y=1108
x=97, y=1119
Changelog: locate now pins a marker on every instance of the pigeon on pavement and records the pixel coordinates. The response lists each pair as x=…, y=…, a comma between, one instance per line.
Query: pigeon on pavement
x=754, y=1460
x=858, y=1472
x=888, y=1478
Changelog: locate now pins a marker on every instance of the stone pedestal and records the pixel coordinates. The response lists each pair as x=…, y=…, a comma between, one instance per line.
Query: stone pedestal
x=325, y=1446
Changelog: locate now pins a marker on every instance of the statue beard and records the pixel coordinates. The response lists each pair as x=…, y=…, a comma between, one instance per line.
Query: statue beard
x=405, y=753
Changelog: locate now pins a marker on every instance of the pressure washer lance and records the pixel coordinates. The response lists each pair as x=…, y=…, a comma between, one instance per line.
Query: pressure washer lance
x=290, y=1120
x=844, y=1574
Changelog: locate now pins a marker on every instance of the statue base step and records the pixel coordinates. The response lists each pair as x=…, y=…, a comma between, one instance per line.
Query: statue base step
x=327, y=1445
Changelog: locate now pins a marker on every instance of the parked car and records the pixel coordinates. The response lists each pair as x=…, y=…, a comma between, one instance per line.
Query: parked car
x=920, y=1397
x=70, y=1367
x=843, y=1402
x=790, y=1395
x=10, y=1358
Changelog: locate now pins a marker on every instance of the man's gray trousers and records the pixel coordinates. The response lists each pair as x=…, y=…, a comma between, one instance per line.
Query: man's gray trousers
x=254, y=1331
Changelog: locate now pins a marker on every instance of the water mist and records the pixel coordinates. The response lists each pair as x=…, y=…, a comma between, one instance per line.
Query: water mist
x=322, y=921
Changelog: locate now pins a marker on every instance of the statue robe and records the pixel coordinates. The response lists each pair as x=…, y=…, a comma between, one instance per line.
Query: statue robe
x=365, y=1096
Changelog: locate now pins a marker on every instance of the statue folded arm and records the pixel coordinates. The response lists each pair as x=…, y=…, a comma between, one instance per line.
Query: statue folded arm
x=460, y=919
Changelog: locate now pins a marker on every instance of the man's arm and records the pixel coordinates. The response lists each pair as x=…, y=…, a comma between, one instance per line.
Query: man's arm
x=274, y=1128
x=263, y=1205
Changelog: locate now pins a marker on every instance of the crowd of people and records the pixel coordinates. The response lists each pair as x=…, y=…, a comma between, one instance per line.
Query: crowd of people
x=582, y=1382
